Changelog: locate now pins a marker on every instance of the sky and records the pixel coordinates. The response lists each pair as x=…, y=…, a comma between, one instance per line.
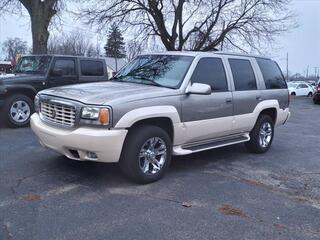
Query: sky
x=302, y=43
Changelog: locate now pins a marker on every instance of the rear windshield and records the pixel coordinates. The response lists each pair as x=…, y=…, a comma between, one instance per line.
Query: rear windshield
x=272, y=74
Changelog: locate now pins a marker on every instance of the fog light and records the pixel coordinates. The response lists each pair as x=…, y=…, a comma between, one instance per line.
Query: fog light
x=92, y=155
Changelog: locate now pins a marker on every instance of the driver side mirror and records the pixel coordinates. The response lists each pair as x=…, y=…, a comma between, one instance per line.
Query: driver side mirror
x=57, y=72
x=199, y=88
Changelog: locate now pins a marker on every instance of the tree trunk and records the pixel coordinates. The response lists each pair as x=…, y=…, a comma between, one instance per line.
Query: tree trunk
x=41, y=13
x=40, y=34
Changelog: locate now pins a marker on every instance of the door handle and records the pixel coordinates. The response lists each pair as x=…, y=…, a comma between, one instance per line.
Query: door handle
x=228, y=100
x=258, y=98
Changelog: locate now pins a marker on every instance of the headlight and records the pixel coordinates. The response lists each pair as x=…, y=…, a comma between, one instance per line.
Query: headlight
x=91, y=113
x=37, y=103
x=95, y=115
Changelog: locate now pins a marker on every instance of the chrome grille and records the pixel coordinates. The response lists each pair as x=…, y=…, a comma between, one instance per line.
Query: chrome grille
x=58, y=114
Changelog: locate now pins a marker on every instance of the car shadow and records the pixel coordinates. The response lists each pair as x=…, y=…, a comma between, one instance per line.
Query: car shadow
x=98, y=174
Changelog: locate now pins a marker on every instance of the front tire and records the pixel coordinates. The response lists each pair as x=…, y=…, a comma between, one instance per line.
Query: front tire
x=261, y=136
x=146, y=154
x=17, y=110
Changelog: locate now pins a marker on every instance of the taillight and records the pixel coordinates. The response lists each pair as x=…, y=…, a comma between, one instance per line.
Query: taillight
x=318, y=88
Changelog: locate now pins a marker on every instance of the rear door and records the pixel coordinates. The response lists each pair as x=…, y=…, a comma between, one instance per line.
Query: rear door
x=68, y=68
x=246, y=94
x=208, y=116
x=92, y=70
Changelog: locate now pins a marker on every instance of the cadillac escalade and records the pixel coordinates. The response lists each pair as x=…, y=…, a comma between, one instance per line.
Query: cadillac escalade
x=165, y=104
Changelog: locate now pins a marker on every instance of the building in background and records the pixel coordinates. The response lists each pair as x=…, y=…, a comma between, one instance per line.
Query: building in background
x=111, y=65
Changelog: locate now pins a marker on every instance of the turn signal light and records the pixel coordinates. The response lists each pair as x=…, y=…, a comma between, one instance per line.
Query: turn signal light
x=104, y=116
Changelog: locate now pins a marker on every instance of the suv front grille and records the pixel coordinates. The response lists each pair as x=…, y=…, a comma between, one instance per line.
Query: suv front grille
x=58, y=114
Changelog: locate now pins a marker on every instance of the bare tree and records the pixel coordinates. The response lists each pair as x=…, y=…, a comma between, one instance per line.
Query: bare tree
x=74, y=43
x=14, y=46
x=201, y=25
x=133, y=49
x=41, y=13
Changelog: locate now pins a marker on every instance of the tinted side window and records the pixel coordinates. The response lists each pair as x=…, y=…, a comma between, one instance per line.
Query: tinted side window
x=211, y=71
x=272, y=75
x=91, y=68
x=243, y=75
x=66, y=65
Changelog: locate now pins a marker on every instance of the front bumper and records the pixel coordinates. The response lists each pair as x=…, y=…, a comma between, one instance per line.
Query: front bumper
x=83, y=144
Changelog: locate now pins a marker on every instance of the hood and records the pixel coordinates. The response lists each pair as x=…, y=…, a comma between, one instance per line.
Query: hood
x=291, y=88
x=109, y=92
x=20, y=78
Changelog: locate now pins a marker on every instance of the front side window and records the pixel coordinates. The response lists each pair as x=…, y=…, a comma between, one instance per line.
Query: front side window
x=272, y=74
x=211, y=71
x=91, y=68
x=243, y=75
x=33, y=64
x=159, y=70
x=67, y=66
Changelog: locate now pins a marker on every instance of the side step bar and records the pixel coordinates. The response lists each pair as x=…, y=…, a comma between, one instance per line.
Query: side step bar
x=210, y=144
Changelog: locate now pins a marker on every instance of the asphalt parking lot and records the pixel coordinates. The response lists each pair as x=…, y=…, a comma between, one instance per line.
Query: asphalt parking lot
x=225, y=193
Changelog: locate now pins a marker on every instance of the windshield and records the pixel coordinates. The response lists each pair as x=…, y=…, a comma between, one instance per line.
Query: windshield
x=160, y=70
x=34, y=64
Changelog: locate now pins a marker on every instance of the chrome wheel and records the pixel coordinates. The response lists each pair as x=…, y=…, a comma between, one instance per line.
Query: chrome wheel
x=265, y=134
x=153, y=155
x=20, y=111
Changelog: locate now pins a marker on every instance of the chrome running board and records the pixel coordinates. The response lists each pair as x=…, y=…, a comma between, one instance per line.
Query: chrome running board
x=210, y=144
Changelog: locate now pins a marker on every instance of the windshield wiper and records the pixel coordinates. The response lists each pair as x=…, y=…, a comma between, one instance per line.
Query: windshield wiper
x=149, y=80
x=117, y=79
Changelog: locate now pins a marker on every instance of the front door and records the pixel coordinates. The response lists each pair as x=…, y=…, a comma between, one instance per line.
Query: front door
x=64, y=72
x=302, y=90
x=208, y=116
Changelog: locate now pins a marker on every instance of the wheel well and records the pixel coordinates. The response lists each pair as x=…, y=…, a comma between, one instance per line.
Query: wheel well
x=163, y=122
x=272, y=112
x=27, y=92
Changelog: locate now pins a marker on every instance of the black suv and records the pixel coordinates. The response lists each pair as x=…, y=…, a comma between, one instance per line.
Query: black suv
x=37, y=72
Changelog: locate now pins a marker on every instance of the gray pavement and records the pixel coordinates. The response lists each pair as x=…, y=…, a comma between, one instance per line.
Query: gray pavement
x=225, y=193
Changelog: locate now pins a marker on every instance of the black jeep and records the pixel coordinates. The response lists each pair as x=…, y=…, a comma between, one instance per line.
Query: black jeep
x=37, y=72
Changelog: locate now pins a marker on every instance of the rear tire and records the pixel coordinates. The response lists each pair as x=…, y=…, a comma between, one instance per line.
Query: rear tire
x=146, y=154
x=17, y=110
x=310, y=94
x=261, y=136
x=293, y=94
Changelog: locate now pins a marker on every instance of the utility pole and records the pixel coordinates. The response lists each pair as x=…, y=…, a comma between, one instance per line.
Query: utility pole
x=307, y=74
x=287, y=66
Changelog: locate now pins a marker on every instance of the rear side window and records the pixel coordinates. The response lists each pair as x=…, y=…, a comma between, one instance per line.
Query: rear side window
x=211, y=71
x=272, y=75
x=243, y=75
x=66, y=65
x=91, y=68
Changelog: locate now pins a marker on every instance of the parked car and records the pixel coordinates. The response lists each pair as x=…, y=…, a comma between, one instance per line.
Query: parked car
x=37, y=72
x=300, y=89
x=166, y=104
x=316, y=96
